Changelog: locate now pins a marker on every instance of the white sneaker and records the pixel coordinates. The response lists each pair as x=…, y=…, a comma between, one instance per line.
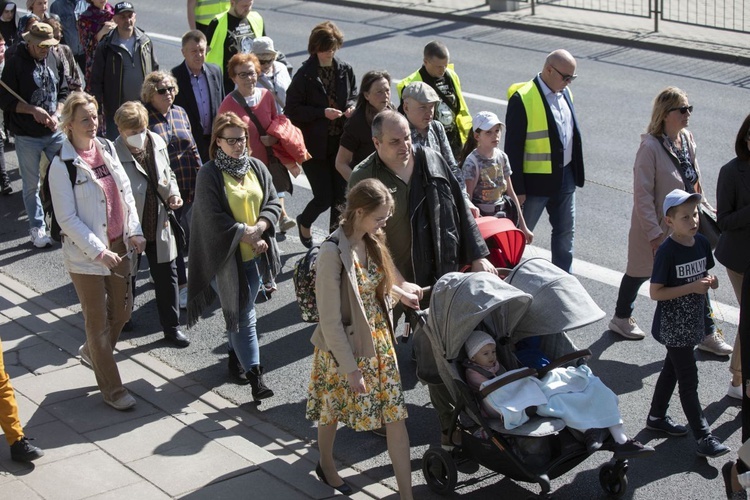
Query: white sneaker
x=734, y=391
x=183, y=297
x=626, y=327
x=39, y=237
x=715, y=343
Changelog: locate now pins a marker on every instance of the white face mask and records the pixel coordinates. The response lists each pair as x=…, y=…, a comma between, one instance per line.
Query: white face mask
x=137, y=141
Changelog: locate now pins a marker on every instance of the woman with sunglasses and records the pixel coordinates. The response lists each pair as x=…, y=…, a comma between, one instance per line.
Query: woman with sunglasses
x=145, y=157
x=665, y=161
x=171, y=123
x=99, y=225
x=233, y=231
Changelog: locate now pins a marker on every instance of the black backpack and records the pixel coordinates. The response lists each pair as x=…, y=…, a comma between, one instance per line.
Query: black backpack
x=45, y=195
x=304, y=283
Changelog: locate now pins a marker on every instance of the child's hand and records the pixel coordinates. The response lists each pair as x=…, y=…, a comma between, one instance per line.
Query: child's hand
x=714, y=282
x=701, y=286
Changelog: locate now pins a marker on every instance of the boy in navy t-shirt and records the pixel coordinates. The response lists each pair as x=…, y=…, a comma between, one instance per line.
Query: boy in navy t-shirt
x=679, y=283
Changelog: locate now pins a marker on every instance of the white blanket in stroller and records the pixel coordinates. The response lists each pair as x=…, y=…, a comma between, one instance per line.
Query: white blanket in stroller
x=573, y=394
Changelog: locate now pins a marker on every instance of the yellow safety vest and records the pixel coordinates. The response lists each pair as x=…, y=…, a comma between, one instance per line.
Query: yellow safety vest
x=537, y=151
x=216, y=49
x=206, y=10
x=463, y=118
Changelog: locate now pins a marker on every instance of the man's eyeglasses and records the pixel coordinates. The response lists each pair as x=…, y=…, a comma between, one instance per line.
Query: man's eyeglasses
x=165, y=90
x=235, y=140
x=682, y=109
x=566, y=78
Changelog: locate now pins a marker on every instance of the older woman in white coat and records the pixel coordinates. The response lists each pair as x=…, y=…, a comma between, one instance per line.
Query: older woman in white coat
x=145, y=157
x=100, y=230
x=665, y=161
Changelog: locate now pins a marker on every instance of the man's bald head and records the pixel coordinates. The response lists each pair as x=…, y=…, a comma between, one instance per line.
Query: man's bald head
x=559, y=70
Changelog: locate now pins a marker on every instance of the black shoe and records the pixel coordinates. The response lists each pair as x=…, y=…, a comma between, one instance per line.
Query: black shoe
x=344, y=488
x=306, y=242
x=666, y=425
x=177, y=338
x=5, y=188
x=711, y=447
x=235, y=369
x=23, y=451
x=631, y=449
x=594, y=439
x=259, y=389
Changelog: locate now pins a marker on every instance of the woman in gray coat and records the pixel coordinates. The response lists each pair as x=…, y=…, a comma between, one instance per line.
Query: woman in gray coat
x=146, y=160
x=666, y=144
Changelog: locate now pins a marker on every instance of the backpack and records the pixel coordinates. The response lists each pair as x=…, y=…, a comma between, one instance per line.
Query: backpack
x=304, y=283
x=46, y=196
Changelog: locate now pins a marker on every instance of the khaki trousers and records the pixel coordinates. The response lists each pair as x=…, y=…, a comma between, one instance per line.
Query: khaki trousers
x=9, y=421
x=106, y=302
x=735, y=364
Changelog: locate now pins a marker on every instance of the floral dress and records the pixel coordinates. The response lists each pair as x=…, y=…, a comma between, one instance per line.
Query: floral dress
x=330, y=398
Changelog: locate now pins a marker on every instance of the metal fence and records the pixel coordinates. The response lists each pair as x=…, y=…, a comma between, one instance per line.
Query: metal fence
x=730, y=15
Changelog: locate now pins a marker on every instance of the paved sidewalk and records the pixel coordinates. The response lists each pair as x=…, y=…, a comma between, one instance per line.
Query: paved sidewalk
x=625, y=30
x=180, y=441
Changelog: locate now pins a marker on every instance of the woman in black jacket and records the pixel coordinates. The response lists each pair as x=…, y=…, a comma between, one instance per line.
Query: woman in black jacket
x=319, y=100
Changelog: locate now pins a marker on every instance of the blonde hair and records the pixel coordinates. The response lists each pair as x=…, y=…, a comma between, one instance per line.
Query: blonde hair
x=369, y=195
x=221, y=122
x=132, y=115
x=74, y=101
x=148, y=89
x=668, y=99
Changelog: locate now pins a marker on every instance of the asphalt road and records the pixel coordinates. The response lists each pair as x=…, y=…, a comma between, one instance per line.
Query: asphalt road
x=613, y=97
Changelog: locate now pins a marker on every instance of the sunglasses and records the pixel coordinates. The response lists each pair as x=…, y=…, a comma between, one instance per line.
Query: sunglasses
x=265, y=61
x=165, y=90
x=235, y=140
x=566, y=78
x=682, y=109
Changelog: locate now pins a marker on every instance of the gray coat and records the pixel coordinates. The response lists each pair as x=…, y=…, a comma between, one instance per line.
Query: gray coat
x=166, y=247
x=215, y=245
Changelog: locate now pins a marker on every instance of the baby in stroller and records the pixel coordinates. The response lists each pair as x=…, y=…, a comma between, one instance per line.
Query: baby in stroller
x=574, y=395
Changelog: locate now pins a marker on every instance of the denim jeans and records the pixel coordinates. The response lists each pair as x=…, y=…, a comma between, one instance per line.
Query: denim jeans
x=679, y=367
x=29, y=153
x=244, y=342
x=561, y=209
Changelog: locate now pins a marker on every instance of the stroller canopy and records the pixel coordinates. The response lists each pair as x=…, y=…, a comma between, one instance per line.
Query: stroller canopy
x=460, y=301
x=560, y=301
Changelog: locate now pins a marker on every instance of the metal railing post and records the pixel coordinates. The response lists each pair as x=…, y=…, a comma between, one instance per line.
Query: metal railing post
x=657, y=10
x=533, y=5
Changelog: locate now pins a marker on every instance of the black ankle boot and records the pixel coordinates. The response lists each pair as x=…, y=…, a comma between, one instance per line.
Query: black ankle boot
x=235, y=369
x=259, y=389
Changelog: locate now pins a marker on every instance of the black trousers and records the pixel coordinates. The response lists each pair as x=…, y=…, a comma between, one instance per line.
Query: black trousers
x=680, y=368
x=328, y=187
x=165, y=287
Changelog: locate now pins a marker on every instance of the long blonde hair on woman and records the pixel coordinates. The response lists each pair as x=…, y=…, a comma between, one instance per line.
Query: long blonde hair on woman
x=369, y=195
x=667, y=100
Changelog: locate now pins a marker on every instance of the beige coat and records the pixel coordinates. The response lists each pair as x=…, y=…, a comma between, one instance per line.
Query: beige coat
x=654, y=176
x=343, y=329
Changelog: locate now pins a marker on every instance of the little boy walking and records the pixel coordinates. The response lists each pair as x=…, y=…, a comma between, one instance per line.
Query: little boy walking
x=679, y=283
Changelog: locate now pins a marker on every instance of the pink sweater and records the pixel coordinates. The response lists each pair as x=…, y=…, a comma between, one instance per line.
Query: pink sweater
x=265, y=111
x=114, y=209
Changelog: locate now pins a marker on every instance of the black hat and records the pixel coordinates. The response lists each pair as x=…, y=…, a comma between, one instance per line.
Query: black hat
x=124, y=7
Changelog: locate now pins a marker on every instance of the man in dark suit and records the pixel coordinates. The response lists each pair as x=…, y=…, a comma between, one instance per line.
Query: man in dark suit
x=201, y=88
x=543, y=143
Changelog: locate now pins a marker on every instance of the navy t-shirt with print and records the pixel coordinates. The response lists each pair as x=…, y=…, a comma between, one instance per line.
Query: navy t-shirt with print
x=680, y=322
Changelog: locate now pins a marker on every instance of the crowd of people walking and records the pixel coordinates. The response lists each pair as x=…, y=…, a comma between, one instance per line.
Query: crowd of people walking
x=191, y=167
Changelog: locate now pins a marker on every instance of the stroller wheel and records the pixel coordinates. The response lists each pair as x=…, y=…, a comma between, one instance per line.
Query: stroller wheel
x=439, y=471
x=613, y=480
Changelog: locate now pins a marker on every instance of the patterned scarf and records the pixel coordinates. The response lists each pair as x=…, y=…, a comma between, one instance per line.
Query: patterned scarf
x=236, y=167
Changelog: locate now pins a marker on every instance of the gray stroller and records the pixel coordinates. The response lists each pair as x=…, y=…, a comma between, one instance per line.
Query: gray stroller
x=537, y=300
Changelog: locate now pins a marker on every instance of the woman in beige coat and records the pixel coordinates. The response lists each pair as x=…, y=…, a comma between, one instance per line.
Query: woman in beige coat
x=355, y=378
x=666, y=144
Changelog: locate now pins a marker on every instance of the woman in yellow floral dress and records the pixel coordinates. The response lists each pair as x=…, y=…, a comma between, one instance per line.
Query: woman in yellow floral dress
x=355, y=378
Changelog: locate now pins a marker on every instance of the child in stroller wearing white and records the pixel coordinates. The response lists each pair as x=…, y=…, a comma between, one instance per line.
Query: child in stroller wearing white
x=572, y=394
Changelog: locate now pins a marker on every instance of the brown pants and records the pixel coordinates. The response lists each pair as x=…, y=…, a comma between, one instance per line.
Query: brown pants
x=735, y=364
x=106, y=302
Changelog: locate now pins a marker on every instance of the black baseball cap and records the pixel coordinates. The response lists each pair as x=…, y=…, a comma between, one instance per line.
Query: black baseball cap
x=124, y=7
